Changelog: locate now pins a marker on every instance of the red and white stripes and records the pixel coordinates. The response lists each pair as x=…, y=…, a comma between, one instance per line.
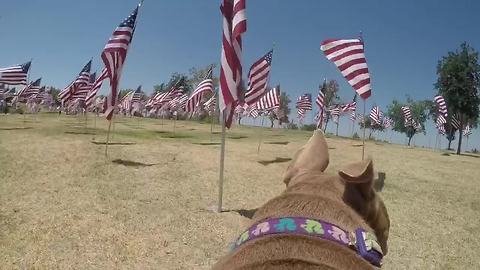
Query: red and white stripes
x=349, y=57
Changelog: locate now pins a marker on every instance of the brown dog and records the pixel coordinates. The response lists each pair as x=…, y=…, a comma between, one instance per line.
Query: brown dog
x=347, y=201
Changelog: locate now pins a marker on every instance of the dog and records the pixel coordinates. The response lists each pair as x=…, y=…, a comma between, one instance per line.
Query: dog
x=320, y=221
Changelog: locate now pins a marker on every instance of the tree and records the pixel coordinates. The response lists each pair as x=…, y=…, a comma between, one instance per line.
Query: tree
x=159, y=88
x=54, y=92
x=420, y=114
x=198, y=74
x=372, y=126
x=123, y=92
x=330, y=90
x=459, y=83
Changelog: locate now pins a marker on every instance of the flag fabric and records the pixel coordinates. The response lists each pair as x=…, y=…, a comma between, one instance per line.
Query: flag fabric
x=258, y=78
x=301, y=113
x=205, y=86
x=335, y=113
x=417, y=126
x=126, y=101
x=15, y=75
x=375, y=115
x=113, y=56
x=387, y=122
x=210, y=104
x=440, y=123
x=304, y=102
x=165, y=97
x=407, y=116
x=234, y=25
x=361, y=119
x=441, y=129
x=31, y=89
x=442, y=106
x=349, y=57
x=353, y=116
x=82, y=79
x=441, y=120
x=178, y=103
x=89, y=100
x=454, y=122
x=83, y=90
x=137, y=95
x=270, y=100
x=467, y=131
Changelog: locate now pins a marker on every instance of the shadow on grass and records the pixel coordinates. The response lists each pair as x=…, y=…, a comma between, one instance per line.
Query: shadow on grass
x=171, y=135
x=79, y=133
x=248, y=213
x=470, y=155
x=130, y=163
x=16, y=128
x=237, y=137
x=113, y=143
x=208, y=143
x=357, y=145
x=281, y=143
x=276, y=160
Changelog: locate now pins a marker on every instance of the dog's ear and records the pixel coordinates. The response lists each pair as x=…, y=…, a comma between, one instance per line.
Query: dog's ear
x=361, y=196
x=359, y=175
x=313, y=156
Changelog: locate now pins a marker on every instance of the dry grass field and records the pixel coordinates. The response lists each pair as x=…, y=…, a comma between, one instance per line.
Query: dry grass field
x=63, y=205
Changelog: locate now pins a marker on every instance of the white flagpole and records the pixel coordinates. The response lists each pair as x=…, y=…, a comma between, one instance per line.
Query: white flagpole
x=364, y=128
x=222, y=164
x=261, y=135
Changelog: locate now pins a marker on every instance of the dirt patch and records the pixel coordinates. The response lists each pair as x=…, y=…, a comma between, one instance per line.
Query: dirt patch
x=79, y=133
x=114, y=143
x=16, y=128
x=281, y=143
x=208, y=143
x=237, y=137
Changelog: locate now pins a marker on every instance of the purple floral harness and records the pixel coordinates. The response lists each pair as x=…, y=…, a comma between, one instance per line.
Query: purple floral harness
x=364, y=243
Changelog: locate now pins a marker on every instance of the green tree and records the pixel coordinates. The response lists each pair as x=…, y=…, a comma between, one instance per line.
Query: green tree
x=459, y=83
x=198, y=74
x=159, y=88
x=371, y=126
x=420, y=114
x=54, y=92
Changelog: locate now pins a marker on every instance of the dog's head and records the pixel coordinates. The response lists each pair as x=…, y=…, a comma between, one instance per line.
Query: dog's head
x=358, y=178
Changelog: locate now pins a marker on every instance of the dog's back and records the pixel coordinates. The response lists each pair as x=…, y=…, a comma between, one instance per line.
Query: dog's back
x=347, y=200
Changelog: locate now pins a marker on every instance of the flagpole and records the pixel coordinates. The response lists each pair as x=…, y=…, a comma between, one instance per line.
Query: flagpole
x=108, y=137
x=211, y=125
x=222, y=164
x=261, y=136
x=364, y=128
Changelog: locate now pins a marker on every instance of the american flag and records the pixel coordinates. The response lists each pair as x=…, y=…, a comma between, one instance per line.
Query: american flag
x=320, y=100
x=137, y=95
x=270, y=100
x=441, y=129
x=114, y=55
x=417, y=126
x=441, y=120
x=353, y=116
x=335, y=113
x=205, y=86
x=304, y=102
x=210, y=104
x=165, y=97
x=31, y=89
x=467, y=131
x=387, y=122
x=442, y=106
x=126, y=101
x=15, y=75
x=375, y=115
x=234, y=25
x=178, y=103
x=239, y=109
x=41, y=95
x=301, y=113
x=349, y=57
x=361, y=119
x=84, y=89
x=258, y=78
x=352, y=106
x=89, y=100
x=82, y=79
x=454, y=122
x=407, y=116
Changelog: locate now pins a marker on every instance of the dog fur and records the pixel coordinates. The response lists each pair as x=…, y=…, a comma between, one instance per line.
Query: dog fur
x=347, y=200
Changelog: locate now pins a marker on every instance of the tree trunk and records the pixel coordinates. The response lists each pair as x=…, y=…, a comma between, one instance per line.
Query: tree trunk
x=449, y=144
x=460, y=133
x=336, y=133
x=239, y=118
x=271, y=122
x=409, y=140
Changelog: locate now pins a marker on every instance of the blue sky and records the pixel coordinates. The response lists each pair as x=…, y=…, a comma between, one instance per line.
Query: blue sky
x=404, y=41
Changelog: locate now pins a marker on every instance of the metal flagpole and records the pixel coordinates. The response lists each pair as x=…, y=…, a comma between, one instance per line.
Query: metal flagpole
x=108, y=137
x=364, y=128
x=261, y=136
x=222, y=164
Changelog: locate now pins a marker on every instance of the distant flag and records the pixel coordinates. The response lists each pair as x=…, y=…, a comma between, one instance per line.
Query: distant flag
x=467, y=131
x=375, y=115
x=137, y=95
x=31, y=89
x=15, y=75
x=95, y=87
x=210, y=104
x=234, y=25
x=440, y=123
x=407, y=116
x=85, y=88
x=353, y=116
x=258, y=78
x=335, y=113
x=126, y=101
x=114, y=55
x=387, y=122
x=301, y=113
x=304, y=102
x=417, y=126
x=178, y=103
x=352, y=106
x=349, y=57
x=82, y=79
x=441, y=120
x=270, y=100
x=442, y=106
x=205, y=86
